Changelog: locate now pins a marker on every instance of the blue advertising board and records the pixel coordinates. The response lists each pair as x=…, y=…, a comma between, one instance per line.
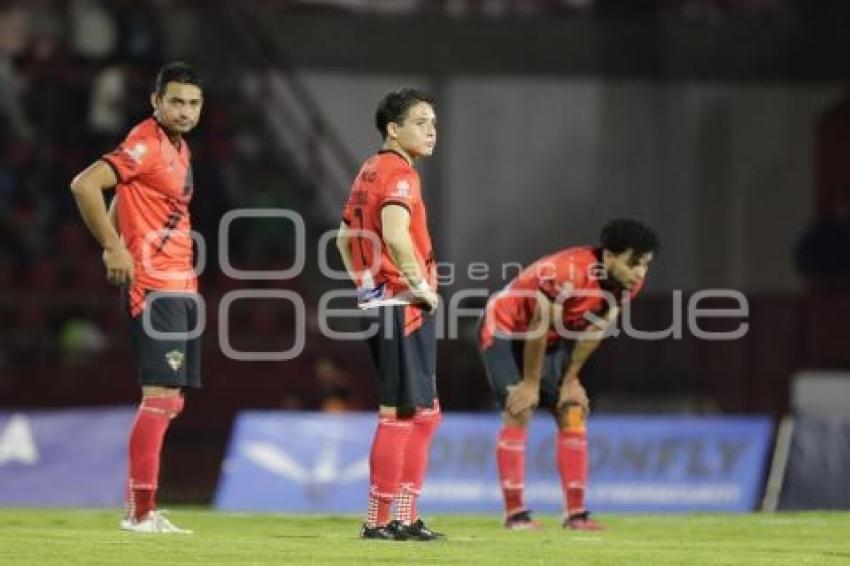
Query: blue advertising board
x=311, y=462
x=64, y=457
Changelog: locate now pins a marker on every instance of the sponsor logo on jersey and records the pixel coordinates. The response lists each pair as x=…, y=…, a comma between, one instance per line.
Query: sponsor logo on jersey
x=402, y=189
x=137, y=152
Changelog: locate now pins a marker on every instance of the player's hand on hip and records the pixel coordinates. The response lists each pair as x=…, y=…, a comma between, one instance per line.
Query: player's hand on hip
x=427, y=297
x=572, y=392
x=432, y=300
x=119, y=265
x=522, y=397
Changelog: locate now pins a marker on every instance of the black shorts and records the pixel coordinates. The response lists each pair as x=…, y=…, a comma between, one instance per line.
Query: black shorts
x=169, y=362
x=406, y=364
x=503, y=362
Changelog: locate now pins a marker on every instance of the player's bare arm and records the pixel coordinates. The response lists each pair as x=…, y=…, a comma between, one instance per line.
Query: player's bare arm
x=526, y=394
x=88, y=188
x=113, y=212
x=572, y=391
x=343, y=244
x=395, y=221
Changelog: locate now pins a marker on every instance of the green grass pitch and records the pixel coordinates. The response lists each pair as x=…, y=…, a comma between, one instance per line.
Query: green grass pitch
x=70, y=537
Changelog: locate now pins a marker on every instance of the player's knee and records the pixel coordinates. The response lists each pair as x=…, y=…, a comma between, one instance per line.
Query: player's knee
x=171, y=405
x=432, y=416
x=519, y=419
x=405, y=412
x=571, y=417
x=401, y=413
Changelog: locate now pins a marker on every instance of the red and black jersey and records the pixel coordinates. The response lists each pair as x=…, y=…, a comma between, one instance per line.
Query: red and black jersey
x=576, y=272
x=154, y=189
x=386, y=179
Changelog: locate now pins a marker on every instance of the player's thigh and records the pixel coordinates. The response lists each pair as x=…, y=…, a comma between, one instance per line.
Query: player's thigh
x=502, y=360
x=166, y=353
x=404, y=352
x=193, y=345
x=554, y=365
x=383, y=347
x=419, y=349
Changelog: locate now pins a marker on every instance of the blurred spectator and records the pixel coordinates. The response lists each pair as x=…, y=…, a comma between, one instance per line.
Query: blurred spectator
x=107, y=109
x=823, y=253
x=386, y=6
x=335, y=385
x=139, y=33
x=13, y=36
x=32, y=340
x=93, y=31
x=80, y=341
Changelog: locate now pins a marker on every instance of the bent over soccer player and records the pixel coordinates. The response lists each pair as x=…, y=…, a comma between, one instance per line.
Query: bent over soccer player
x=536, y=335
x=386, y=249
x=147, y=247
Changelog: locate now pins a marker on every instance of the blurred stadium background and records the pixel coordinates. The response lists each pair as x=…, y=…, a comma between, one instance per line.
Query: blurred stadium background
x=724, y=124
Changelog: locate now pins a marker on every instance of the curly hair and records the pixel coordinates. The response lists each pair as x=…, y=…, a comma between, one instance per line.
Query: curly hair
x=623, y=234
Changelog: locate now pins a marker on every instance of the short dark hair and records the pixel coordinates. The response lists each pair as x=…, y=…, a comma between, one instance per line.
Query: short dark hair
x=623, y=234
x=394, y=106
x=176, y=72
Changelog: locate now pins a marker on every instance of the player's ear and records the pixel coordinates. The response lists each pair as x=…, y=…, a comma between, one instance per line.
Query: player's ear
x=155, y=100
x=392, y=130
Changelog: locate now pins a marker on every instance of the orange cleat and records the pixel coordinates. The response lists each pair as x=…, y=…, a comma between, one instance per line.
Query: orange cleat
x=581, y=522
x=521, y=521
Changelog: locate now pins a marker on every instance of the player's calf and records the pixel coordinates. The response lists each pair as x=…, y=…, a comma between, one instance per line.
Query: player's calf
x=571, y=453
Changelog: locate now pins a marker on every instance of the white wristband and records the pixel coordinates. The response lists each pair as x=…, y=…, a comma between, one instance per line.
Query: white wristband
x=422, y=287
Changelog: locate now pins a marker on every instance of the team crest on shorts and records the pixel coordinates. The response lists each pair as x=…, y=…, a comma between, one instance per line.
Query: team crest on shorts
x=174, y=359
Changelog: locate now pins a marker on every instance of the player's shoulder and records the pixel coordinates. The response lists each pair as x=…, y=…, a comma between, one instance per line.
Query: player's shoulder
x=382, y=167
x=147, y=128
x=575, y=264
x=142, y=137
x=391, y=176
x=576, y=255
x=391, y=166
x=583, y=254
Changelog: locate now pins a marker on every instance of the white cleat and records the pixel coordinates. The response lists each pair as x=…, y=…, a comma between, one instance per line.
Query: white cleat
x=153, y=522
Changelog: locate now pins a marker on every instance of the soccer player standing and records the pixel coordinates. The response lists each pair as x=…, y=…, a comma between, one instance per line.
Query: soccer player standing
x=535, y=337
x=147, y=249
x=386, y=248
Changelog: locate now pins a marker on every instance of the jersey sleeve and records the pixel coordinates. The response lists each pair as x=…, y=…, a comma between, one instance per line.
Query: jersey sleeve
x=132, y=158
x=402, y=189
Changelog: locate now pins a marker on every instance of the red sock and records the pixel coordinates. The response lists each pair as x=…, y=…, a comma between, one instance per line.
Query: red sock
x=385, y=466
x=510, y=456
x=572, y=465
x=425, y=424
x=152, y=419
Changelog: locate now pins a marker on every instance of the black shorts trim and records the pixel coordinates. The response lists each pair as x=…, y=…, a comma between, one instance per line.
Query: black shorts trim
x=406, y=365
x=114, y=168
x=167, y=362
x=392, y=202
